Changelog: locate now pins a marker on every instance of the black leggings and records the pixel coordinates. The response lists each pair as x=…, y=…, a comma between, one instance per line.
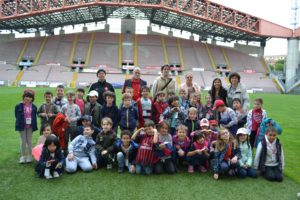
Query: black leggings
x=273, y=174
x=167, y=166
x=252, y=138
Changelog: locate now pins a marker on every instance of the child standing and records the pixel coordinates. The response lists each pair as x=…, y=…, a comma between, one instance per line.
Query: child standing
x=208, y=111
x=145, y=155
x=105, y=142
x=59, y=100
x=245, y=162
x=72, y=115
x=198, y=154
x=81, y=152
x=255, y=117
x=48, y=110
x=109, y=109
x=159, y=107
x=226, y=154
x=182, y=144
x=164, y=146
x=128, y=114
x=93, y=108
x=52, y=159
x=126, y=150
x=79, y=99
x=183, y=100
x=144, y=105
x=26, y=124
x=173, y=114
x=195, y=101
x=191, y=123
x=269, y=158
x=228, y=117
x=241, y=114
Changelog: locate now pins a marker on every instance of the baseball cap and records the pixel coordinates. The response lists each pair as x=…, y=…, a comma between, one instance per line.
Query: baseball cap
x=242, y=131
x=213, y=122
x=218, y=103
x=204, y=122
x=93, y=93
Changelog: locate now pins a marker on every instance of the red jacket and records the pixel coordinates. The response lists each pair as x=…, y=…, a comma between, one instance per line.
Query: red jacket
x=59, y=127
x=157, y=110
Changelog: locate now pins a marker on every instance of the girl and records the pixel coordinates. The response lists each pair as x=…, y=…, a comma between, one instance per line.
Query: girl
x=45, y=132
x=240, y=112
x=145, y=155
x=182, y=143
x=52, y=159
x=245, y=162
x=26, y=123
x=164, y=146
x=191, y=122
x=173, y=114
x=199, y=153
x=269, y=158
x=226, y=154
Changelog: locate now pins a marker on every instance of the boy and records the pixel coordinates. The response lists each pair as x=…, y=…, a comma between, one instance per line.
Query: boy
x=109, y=109
x=208, y=112
x=182, y=144
x=59, y=100
x=72, y=115
x=194, y=102
x=145, y=155
x=105, y=142
x=129, y=90
x=191, y=123
x=159, y=107
x=93, y=108
x=47, y=111
x=144, y=105
x=128, y=114
x=228, y=117
x=79, y=99
x=240, y=112
x=85, y=121
x=81, y=151
x=126, y=150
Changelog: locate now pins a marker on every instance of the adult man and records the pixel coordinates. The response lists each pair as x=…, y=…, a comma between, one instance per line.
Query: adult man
x=164, y=83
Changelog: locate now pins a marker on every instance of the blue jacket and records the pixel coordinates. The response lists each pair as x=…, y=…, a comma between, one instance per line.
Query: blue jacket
x=132, y=151
x=19, y=114
x=111, y=112
x=128, y=118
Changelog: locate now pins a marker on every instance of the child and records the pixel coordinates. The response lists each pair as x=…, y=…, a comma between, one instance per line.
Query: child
x=164, y=146
x=269, y=158
x=210, y=137
x=183, y=101
x=255, y=117
x=198, y=153
x=159, y=107
x=59, y=100
x=245, y=161
x=126, y=150
x=105, y=142
x=93, y=108
x=191, y=123
x=145, y=155
x=129, y=90
x=79, y=99
x=144, y=105
x=208, y=112
x=196, y=103
x=85, y=121
x=240, y=112
x=173, y=114
x=44, y=133
x=72, y=115
x=51, y=162
x=226, y=154
x=26, y=124
x=128, y=114
x=60, y=126
x=228, y=117
x=48, y=110
x=82, y=152
x=109, y=109
x=182, y=143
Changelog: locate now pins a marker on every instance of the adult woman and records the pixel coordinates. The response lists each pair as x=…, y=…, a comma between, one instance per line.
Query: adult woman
x=189, y=86
x=237, y=90
x=217, y=91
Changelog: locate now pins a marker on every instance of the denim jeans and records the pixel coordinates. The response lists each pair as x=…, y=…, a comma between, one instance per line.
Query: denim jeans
x=244, y=172
x=122, y=161
x=147, y=169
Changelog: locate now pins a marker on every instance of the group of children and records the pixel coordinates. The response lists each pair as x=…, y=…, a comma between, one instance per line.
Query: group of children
x=158, y=134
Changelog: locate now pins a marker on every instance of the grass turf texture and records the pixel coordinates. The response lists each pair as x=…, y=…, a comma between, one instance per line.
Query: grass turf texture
x=19, y=181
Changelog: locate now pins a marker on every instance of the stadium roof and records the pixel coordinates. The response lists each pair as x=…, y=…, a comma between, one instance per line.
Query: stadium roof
x=201, y=17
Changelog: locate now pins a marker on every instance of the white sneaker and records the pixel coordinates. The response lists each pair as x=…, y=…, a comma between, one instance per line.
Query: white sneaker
x=49, y=177
x=55, y=174
x=22, y=160
x=29, y=159
x=109, y=166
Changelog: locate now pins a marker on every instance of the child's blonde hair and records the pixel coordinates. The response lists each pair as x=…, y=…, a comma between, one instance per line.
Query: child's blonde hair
x=70, y=93
x=107, y=120
x=193, y=109
x=220, y=144
x=126, y=96
x=182, y=127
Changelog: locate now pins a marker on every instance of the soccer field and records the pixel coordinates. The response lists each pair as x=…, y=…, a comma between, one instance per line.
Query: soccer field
x=19, y=181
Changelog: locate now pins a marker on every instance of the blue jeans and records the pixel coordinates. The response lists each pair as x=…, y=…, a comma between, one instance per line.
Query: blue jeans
x=121, y=161
x=147, y=169
x=244, y=172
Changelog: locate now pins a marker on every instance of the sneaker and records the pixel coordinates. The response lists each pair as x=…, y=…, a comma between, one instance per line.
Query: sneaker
x=28, y=159
x=191, y=169
x=203, y=169
x=55, y=174
x=49, y=176
x=109, y=166
x=22, y=160
x=120, y=170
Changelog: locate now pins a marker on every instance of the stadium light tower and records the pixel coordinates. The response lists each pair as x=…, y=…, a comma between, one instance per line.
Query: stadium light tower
x=294, y=14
